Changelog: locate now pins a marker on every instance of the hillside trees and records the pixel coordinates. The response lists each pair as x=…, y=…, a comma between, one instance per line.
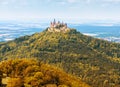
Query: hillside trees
x=31, y=72
x=86, y=57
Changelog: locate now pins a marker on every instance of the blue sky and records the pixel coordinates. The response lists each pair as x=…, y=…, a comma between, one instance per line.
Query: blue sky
x=73, y=10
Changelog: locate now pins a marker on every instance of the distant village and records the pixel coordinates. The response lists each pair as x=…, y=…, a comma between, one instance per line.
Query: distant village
x=58, y=26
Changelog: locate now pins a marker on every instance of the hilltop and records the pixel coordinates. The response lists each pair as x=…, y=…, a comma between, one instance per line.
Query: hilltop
x=95, y=61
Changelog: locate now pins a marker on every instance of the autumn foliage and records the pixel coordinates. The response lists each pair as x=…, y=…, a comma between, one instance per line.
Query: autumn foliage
x=33, y=73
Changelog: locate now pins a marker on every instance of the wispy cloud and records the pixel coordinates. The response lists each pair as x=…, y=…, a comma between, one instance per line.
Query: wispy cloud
x=72, y=1
x=106, y=3
x=112, y=1
x=88, y=9
x=79, y=1
x=89, y=1
x=7, y=1
x=4, y=3
x=11, y=2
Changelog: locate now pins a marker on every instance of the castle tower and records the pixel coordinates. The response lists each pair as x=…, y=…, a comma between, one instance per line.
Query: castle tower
x=58, y=22
x=54, y=22
x=51, y=24
x=62, y=23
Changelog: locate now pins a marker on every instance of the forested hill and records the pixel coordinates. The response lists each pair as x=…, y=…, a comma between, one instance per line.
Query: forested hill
x=95, y=61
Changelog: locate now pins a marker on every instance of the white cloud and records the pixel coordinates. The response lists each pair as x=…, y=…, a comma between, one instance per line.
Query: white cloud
x=106, y=3
x=62, y=3
x=14, y=3
x=4, y=3
x=79, y=1
x=72, y=1
x=88, y=1
x=115, y=1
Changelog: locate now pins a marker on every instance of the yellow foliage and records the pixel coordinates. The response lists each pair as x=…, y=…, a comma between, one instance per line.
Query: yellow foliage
x=32, y=73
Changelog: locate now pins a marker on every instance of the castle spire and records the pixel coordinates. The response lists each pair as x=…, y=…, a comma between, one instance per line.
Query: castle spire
x=58, y=25
x=54, y=22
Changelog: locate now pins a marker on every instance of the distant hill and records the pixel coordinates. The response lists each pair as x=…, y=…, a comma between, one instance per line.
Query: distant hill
x=95, y=61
